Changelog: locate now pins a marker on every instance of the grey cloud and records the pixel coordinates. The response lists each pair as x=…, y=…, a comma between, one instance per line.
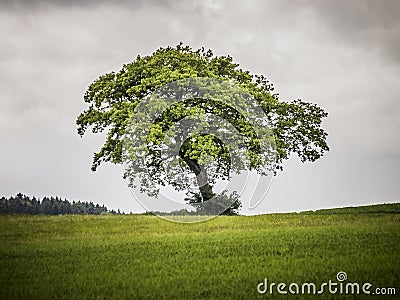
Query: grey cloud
x=371, y=24
x=354, y=15
x=29, y=5
x=329, y=53
x=25, y=4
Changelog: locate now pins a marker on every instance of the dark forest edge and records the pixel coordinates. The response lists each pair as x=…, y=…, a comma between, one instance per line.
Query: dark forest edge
x=22, y=204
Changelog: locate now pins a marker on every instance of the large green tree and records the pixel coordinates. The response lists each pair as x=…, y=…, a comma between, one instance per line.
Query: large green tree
x=113, y=97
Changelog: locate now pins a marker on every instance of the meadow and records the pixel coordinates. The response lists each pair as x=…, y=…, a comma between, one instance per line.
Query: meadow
x=145, y=257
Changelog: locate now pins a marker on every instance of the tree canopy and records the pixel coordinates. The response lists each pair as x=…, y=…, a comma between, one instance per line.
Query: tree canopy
x=114, y=98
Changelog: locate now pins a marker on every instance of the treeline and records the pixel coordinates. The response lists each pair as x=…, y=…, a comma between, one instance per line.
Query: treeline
x=22, y=204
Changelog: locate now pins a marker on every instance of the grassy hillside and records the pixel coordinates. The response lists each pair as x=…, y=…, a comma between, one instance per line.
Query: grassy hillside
x=389, y=208
x=144, y=257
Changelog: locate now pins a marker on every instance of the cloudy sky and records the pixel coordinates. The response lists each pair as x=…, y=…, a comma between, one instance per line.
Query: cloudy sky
x=342, y=55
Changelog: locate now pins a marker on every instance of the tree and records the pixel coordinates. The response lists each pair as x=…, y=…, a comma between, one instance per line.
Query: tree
x=113, y=98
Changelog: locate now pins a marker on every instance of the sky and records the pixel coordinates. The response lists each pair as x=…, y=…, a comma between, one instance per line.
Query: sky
x=342, y=55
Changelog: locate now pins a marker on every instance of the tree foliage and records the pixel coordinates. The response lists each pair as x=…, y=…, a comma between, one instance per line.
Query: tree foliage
x=112, y=98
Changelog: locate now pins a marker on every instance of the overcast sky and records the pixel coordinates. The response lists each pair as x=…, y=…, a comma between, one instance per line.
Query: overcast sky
x=342, y=55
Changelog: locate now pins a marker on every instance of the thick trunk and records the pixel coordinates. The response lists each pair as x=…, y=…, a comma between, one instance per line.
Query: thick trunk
x=202, y=177
x=204, y=186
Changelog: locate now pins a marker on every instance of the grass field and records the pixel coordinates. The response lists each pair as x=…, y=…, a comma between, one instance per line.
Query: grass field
x=144, y=257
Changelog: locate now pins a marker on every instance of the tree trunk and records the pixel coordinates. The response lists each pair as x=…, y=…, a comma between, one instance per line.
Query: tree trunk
x=204, y=186
x=202, y=177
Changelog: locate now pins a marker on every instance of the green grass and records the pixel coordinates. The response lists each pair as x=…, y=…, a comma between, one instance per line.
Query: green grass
x=144, y=257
